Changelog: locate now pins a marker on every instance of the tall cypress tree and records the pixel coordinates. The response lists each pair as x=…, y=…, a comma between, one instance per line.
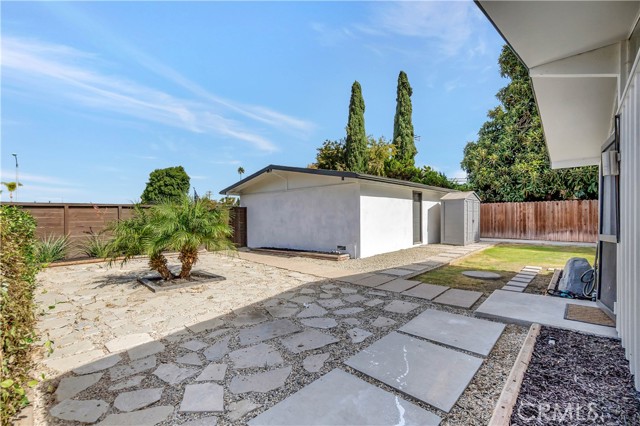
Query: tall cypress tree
x=356, y=142
x=403, y=137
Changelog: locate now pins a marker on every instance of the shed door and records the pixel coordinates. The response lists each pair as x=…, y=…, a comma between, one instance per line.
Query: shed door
x=417, y=217
x=476, y=221
x=468, y=217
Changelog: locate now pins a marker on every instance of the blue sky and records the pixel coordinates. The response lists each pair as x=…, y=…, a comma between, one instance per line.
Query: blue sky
x=97, y=95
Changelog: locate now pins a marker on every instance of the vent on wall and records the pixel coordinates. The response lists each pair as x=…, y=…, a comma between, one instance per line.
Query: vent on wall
x=341, y=247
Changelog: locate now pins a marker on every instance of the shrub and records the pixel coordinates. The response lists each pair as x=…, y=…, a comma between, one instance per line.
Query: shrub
x=96, y=246
x=52, y=248
x=18, y=268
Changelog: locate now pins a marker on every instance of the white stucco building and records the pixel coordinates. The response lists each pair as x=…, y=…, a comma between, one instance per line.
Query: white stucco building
x=325, y=210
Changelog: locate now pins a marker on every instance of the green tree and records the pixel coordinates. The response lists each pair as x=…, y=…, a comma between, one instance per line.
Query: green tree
x=356, y=142
x=509, y=161
x=11, y=187
x=240, y=171
x=171, y=183
x=331, y=156
x=403, y=137
x=379, y=153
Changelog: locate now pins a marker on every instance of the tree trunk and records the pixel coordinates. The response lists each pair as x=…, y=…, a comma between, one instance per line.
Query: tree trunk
x=158, y=262
x=188, y=258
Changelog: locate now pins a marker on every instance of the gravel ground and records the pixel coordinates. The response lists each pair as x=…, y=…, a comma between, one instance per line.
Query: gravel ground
x=577, y=379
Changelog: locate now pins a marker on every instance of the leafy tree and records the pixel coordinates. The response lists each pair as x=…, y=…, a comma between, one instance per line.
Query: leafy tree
x=509, y=162
x=403, y=137
x=356, y=142
x=11, y=187
x=171, y=183
x=379, y=153
x=331, y=156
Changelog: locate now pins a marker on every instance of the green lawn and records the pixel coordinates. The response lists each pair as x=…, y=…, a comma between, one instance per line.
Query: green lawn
x=506, y=260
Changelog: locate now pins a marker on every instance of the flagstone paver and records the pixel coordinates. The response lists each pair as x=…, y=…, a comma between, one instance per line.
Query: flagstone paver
x=426, y=291
x=260, y=382
x=303, y=299
x=194, y=345
x=431, y=373
x=467, y=333
x=283, y=311
x=128, y=383
x=134, y=400
x=396, y=272
x=314, y=363
x=213, y=372
x=202, y=397
x=85, y=411
x=312, y=310
x=99, y=365
x=307, y=340
x=260, y=355
x=375, y=280
x=348, y=311
x=267, y=330
x=324, y=323
x=191, y=358
x=173, y=374
x=218, y=349
x=249, y=318
x=146, y=417
x=373, y=302
x=239, y=409
x=358, y=335
x=513, y=288
x=400, y=307
x=138, y=366
x=351, y=321
x=459, y=298
x=71, y=386
x=383, y=322
x=145, y=350
x=331, y=303
x=339, y=398
x=210, y=324
x=398, y=285
x=355, y=298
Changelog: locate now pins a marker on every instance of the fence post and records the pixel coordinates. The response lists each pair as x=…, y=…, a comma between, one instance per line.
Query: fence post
x=65, y=218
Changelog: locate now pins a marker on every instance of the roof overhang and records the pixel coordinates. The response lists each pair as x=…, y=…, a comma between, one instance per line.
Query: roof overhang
x=573, y=52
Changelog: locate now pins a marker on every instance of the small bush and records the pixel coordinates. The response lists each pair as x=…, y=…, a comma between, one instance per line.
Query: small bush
x=52, y=248
x=18, y=268
x=96, y=246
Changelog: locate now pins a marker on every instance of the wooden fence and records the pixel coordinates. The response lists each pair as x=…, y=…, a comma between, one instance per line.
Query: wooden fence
x=572, y=220
x=80, y=220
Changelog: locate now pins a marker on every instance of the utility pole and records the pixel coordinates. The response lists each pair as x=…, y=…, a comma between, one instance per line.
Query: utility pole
x=17, y=181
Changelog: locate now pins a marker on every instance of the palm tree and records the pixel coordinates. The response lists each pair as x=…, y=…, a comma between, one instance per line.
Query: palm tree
x=240, y=171
x=11, y=187
x=187, y=225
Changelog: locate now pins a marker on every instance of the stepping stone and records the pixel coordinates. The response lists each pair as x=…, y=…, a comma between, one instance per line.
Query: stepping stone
x=528, y=274
x=258, y=356
x=331, y=303
x=129, y=383
x=398, y=285
x=218, y=349
x=147, y=417
x=126, y=342
x=145, y=350
x=266, y=331
x=426, y=291
x=307, y=340
x=212, y=372
x=513, y=288
x=71, y=386
x=358, y=335
x=194, y=345
x=353, y=279
x=375, y=280
x=517, y=284
x=138, y=366
x=348, y=311
x=191, y=358
x=459, y=298
x=329, y=286
x=99, y=365
x=173, y=374
x=283, y=311
x=347, y=290
x=338, y=398
x=202, y=397
x=466, y=333
x=249, y=318
x=218, y=333
x=207, y=325
x=383, y=322
x=86, y=411
x=521, y=280
x=355, y=298
x=413, y=267
x=177, y=336
x=396, y=272
x=303, y=299
x=239, y=409
x=261, y=382
x=323, y=323
x=307, y=291
x=286, y=295
x=130, y=401
x=351, y=321
x=325, y=296
x=203, y=421
x=373, y=302
x=426, y=371
x=482, y=275
x=314, y=363
x=312, y=310
x=400, y=307
x=533, y=268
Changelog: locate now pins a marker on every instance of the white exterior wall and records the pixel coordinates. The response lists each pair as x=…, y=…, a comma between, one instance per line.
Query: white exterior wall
x=386, y=218
x=628, y=250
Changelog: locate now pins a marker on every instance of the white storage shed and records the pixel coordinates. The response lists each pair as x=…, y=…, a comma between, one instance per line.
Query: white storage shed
x=460, y=218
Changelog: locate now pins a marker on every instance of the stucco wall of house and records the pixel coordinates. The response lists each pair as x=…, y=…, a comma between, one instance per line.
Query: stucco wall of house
x=314, y=213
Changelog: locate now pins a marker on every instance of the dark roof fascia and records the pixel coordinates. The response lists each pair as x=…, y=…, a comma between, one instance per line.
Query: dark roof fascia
x=335, y=173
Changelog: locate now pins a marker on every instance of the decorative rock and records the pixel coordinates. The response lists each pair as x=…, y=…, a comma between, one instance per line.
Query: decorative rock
x=71, y=386
x=207, y=325
x=374, y=302
x=355, y=298
x=302, y=299
x=358, y=335
x=266, y=331
x=331, y=303
x=145, y=350
x=261, y=382
x=125, y=342
x=283, y=311
x=249, y=318
x=237, y=410
x=193, y=345
x=482, y=275
x=202, y=397
x=351, y=321
x=307, y=340
x=348, y=311
x=191, y=358
x=148, y=417
x=99, y=365
x=319, y=322
x=261, y=355
x=314, y=363
x=312, y=310
x=130, y=382
x=212, y=372
x=130, y=401
x=218, y=349
x=400, y=307
x=88, y=411
x=138, y=366
x=383, y=322
x=173, y=374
